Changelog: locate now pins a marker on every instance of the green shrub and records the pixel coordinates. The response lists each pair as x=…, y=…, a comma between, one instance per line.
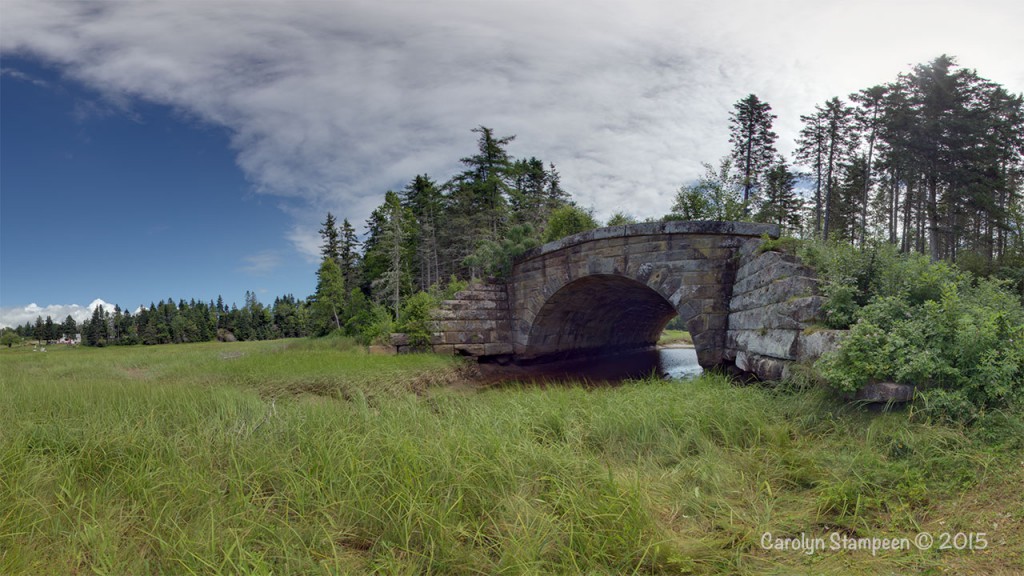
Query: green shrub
x=379, y=325
x=494, y=258
x=416, y=317
x=568, y=220
x=449, y=290
x=964, y=349
x=840, y=308
x=784, y=244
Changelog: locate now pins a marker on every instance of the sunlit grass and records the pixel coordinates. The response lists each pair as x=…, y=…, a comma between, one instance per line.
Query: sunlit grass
x=675, y=337
x=314, y=457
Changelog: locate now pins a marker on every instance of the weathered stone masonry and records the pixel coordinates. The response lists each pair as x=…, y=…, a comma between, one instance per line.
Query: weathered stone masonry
x=775, y=300
x=616, y=288
x=475, y=322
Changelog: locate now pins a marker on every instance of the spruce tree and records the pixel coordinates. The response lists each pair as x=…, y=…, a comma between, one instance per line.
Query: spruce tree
x=753, y=142
x=393, y=249
x=331, y=246
x=425, y=203
x=780, y=203
x=349, y=261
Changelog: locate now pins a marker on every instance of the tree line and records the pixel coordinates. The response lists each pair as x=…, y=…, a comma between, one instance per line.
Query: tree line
x=931, y=162
x=167, y=322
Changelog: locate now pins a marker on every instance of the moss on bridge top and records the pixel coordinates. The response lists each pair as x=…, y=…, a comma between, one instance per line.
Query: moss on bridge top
x=655, y=229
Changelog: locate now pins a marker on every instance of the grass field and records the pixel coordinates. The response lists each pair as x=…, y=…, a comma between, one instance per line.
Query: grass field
x=676, y=337
x=293, y=457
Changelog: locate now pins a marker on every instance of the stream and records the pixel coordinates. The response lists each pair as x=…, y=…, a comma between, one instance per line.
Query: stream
x=665, y=362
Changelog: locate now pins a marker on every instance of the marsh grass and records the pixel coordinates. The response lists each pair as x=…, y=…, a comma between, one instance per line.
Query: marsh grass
x=313, y=457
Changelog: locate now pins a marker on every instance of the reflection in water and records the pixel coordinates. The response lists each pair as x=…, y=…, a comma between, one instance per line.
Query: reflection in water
x=663, y=363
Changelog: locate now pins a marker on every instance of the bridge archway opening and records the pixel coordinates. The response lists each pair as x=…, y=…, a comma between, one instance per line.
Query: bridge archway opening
x=595, y=315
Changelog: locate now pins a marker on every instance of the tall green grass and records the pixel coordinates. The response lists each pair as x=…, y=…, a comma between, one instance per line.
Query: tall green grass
x=312, y=457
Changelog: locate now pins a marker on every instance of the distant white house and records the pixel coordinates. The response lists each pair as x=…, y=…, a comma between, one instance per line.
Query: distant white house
x=64, y=339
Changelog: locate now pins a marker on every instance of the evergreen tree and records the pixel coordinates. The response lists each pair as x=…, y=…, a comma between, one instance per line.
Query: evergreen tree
x=477, y=207
x=69, y=327
x=896, y=162
x=810, y=152
x=753, y=142
x=534, y=193
x=780, y=204
x=848, y=193
x=392, y=250
x=329, y=299
x=331, y=246
x=868, y=114
x=96, y=333
x=424, y=200
x=349, y=262
x=49, y=330
x=827, y=141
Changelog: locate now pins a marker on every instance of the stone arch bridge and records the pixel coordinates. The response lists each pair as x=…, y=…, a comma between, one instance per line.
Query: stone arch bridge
x=615, y=289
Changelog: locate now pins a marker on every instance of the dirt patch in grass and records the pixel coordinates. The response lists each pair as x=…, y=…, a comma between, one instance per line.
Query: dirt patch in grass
x=136, y=373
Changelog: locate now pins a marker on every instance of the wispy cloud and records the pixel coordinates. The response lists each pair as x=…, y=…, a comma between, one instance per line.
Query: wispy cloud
x=261, y=263
x=19, y=75
x=306, y=241
x=331, y=103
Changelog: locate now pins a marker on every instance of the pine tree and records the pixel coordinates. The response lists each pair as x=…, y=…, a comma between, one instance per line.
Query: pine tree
x=827, y=140
x=424, y=200
x=349, y=262
x=533, y=193
x=780, y=204
x=753, y=142
x=49, y=330
x=847, y=195
x=811, y=147
x=477, y=207
x=69, y=327
x=331, y=246
x=868, y=117
x=393, y=251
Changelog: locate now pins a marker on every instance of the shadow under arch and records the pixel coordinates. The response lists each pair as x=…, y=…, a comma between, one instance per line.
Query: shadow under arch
x=595, y=315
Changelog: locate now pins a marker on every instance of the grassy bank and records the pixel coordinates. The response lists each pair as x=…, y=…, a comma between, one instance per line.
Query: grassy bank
x=675, y=337
x=313, y=457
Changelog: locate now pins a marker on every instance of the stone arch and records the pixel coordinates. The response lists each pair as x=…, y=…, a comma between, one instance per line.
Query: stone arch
x=601, y=313
x=615, y=288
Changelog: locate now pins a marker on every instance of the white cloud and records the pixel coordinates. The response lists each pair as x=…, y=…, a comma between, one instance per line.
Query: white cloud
x=261, y=263
x=331, y=103
x=306, y=241
x=12, y=317
x=19, y=75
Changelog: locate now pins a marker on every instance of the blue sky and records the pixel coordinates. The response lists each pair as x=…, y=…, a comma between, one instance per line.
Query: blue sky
x=188, y=149
x=127, y=204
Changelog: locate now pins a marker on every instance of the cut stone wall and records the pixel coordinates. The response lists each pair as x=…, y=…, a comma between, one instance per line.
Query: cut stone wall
x=475, y=322
x=775, y=300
